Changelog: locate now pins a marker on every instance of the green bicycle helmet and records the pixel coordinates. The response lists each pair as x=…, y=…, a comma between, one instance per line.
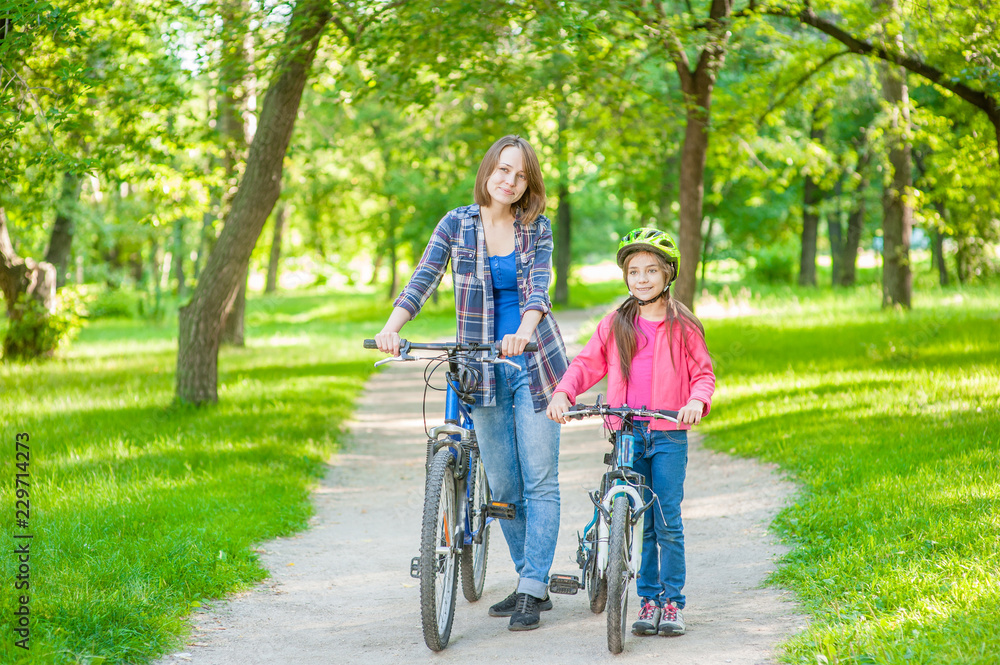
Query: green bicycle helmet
x=645, y=239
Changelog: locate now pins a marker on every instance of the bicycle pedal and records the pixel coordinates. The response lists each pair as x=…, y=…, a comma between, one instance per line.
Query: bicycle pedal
x=567, y=584
x=500, y=510
x=415, y=567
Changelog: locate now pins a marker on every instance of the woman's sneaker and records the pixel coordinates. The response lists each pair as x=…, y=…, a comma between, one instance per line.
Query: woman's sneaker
x=525, y=615
x=671, y=621
x=505, y=607
x=649, y=619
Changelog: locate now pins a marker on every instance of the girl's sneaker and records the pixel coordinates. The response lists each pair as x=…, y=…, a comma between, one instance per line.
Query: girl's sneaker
x=671, y=621
x=649, y=619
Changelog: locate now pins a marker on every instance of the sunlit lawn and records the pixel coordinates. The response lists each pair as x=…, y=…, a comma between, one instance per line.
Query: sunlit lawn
x=890, y=423
x=139, y=509
x=887, y=420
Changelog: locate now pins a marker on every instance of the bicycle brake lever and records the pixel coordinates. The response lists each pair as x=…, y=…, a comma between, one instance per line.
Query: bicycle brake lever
x=403, y=356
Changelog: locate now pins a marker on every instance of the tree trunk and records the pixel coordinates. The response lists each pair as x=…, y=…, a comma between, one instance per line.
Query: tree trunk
x=697, y=86
x=232, y=329
x=937, y=249
x=812, y=196
x=835, y=230
x=692, y=189
x=61, y=240
x=178, y=251
x=855, y=224
x=200, y=322
x=28, y=287
x=897, y=211
x=272, y=264
x=563, y=250
x=563, y=243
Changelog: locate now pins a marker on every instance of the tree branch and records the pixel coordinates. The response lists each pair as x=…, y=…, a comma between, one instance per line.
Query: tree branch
x=981, y=100
x=798, y=84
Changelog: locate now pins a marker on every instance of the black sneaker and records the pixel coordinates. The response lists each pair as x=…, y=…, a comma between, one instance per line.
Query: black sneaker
x=525, y=615
x=505, y=607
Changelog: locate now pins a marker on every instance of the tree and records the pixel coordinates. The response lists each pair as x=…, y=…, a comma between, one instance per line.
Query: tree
x=201, y=320
x=29, y=288
x=697, y=83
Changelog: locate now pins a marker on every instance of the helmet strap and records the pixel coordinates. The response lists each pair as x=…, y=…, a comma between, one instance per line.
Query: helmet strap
x=643, y=303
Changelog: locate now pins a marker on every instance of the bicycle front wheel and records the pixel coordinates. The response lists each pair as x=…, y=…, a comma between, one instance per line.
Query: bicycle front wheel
x=438, y=558
x=619, y=575
x=474, y=555
x=593, y=578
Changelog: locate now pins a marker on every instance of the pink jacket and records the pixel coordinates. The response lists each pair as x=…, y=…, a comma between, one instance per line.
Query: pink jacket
x=673, y=386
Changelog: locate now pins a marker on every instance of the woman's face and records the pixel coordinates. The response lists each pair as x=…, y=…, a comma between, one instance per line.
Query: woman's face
x=645, y=276
x=509, y=181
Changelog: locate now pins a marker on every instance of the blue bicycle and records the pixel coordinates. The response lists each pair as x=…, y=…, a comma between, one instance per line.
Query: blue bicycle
x=458, y=507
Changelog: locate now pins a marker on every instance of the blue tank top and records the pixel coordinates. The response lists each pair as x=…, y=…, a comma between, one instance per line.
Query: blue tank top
x=506, y=307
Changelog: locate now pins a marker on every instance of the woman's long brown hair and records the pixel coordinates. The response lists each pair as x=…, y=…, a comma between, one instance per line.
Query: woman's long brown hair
x=623, y=326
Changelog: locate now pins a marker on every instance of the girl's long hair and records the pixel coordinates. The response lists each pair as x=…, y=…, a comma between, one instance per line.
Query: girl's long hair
x=623, y=326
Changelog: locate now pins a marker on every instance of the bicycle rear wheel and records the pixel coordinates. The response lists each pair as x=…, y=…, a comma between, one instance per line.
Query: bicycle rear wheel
x=619, y=575
x=474, y=555
x=438, y=558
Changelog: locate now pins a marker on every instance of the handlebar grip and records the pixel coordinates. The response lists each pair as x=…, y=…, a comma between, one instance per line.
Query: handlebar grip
x=370, y=344
x=531, y=347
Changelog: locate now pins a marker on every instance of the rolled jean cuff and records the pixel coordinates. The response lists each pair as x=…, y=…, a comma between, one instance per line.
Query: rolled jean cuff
x=533, y=587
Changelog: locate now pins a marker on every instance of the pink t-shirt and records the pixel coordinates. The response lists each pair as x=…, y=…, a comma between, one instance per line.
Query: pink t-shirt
x=640, y=385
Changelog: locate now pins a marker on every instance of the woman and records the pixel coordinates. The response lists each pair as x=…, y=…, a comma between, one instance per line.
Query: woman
x=501, y=256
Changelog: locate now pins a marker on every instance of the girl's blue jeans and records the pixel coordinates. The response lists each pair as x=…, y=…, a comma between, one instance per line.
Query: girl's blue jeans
x=661, y=457
x=520, y=452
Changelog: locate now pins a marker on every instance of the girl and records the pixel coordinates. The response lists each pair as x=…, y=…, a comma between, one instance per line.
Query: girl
x=501, y=259
x=653, y=351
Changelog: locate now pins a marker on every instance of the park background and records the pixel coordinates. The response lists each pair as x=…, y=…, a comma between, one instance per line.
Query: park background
x=206, y=206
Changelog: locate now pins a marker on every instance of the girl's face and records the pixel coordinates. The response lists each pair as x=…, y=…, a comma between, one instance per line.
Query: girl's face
x=509, y=181
x=646, y=275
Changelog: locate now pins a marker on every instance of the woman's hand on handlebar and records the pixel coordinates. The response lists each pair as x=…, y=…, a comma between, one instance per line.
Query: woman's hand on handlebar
x=558, y=407
x=691, y=412
x=388, y=342
x=513, y=344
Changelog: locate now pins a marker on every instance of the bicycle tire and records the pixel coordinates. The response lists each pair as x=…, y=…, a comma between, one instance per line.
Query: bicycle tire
x=597, y=589
x=619, y=575
x=475, y=554
x=438, y=570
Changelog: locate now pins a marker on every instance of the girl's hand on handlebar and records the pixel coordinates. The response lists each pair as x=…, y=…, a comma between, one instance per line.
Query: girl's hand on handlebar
x=557, y=407
x=691, y=412
x=388, y=342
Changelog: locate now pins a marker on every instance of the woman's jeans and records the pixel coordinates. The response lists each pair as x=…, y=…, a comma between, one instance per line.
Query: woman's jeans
x=520, y=452
x=661, y=457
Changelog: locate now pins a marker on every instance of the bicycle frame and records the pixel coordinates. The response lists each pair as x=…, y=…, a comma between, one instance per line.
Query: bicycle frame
x=623, y=453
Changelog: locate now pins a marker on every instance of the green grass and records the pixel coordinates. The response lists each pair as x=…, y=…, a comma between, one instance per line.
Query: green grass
x=890, y=423
x=887, y=420
x=140, y=510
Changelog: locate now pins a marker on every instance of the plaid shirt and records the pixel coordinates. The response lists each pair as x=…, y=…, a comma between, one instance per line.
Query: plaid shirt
x=459, y=237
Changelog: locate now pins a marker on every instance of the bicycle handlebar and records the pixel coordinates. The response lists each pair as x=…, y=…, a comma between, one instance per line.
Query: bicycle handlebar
x=450, y=347
x=583, y=410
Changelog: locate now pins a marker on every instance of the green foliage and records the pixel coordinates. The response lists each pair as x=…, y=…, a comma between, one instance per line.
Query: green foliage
x=774, y=264
x=114, y=303
x=888, y=422
x=35, y=332
x=139, y=509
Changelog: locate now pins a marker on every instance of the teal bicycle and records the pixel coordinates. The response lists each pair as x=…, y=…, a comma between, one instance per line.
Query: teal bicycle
x=608, y=551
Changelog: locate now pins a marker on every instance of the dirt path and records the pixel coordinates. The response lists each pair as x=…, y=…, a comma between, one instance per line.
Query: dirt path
x=341, y=591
